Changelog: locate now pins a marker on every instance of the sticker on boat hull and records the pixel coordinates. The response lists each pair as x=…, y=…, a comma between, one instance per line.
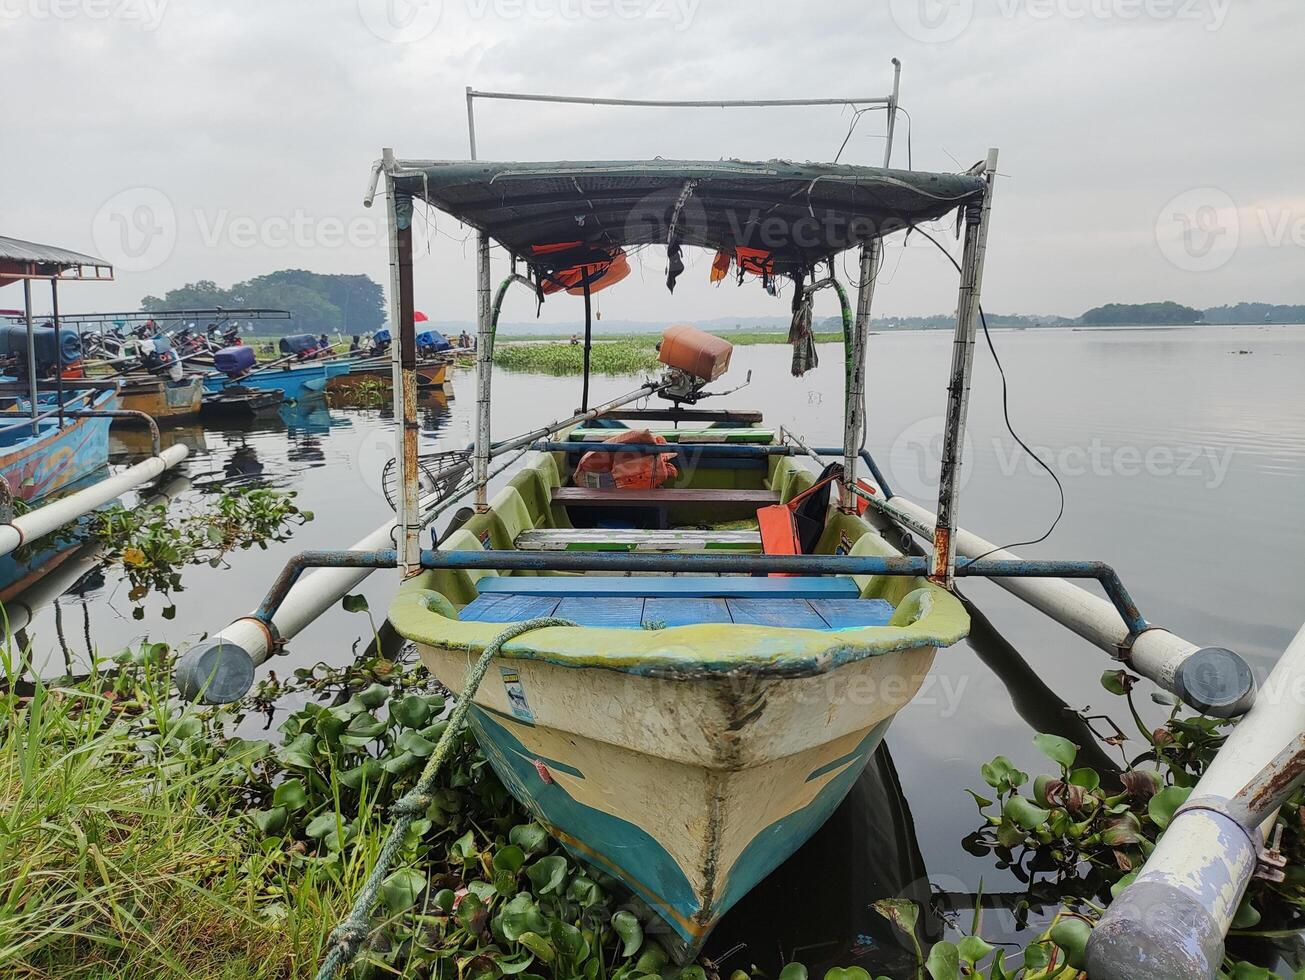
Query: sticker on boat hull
x=516, y=695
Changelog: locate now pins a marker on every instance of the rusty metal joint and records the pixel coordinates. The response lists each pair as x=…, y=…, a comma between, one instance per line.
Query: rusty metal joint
x=1125, y=646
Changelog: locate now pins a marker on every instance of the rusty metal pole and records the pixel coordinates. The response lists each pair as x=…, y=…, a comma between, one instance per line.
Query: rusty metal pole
x=484, y=344
x=943, y=564
x=854, y=402
x=31, y=353
x=58, y=348
x=403, y=358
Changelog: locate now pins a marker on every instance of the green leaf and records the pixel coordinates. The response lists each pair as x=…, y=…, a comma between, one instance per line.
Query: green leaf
x=972, y=949
x=291, y=795
x=982, y=801
x=522, y=915
x=698, y=973
x=548, y=874
x=1002, y=775
x=445, y=899
x=1122, y=883
x=509, y=858
x=270, y=822
x=1117, y=682
x=1024, y=814
x=1059, y=750
x=512, y=965
x=400, y=763
x=298, y=753
x=900, y=912
x=1036, y=957
x=626, y=926
x=400, y=890
x=1071, y=934
x=411, y=741
x=411, y=712
x=530, y=837
x=321, y=825
x=354, y=603
x=1089, y=779
x=1247, y=917
x=846, y=973
x=538, y=945
x=1162, y=807
x=373, y=696
x=1122, y=830
x=944, y=962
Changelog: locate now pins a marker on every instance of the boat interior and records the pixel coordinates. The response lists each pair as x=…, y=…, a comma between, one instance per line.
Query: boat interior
x=710, y=504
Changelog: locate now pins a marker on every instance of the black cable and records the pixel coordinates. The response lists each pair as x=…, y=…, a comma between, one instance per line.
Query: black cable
x=1005, y=411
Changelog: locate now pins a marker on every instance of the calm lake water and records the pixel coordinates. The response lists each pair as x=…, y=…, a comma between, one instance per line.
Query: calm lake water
x=1182, y=452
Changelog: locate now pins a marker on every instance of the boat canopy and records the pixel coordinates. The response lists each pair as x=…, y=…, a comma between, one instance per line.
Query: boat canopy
x=799, y=214
x=28, y=260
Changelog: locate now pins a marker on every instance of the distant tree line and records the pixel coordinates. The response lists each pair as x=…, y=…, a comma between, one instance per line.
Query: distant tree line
x=1141, y=314
x=317, y=303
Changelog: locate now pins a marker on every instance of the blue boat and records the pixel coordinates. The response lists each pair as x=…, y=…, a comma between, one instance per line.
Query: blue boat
x=299, y=381
x=41, y=458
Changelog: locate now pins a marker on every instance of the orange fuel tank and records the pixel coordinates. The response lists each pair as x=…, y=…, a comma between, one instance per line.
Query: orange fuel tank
x=694, y=352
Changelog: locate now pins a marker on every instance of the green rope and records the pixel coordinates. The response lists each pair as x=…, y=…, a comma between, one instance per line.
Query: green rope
x=347, y=938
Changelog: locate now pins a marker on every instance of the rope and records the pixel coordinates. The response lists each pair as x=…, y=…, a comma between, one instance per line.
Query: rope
x=347, y=938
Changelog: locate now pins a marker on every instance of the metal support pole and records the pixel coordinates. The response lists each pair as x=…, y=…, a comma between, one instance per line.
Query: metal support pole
x=943, y=566
x=484, y=373
x=1170, y=923
x=58, y=350
x=31, y=352
x=589, y=341
x=403, y=359
x=892, y=111
x=854, y=403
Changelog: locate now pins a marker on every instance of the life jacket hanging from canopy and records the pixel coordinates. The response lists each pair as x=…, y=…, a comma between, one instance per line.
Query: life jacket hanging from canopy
x=576, y=264
x=795, y=528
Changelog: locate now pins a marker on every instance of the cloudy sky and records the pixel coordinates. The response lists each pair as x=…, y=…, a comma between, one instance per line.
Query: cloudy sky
x=1150, y=149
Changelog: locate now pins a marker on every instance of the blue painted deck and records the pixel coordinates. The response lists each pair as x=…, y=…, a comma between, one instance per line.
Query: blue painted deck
x=631, y=612
x=675, y=587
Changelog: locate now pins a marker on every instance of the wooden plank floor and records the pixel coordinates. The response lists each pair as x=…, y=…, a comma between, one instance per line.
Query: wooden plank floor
x=631, y=612
x=619, y=539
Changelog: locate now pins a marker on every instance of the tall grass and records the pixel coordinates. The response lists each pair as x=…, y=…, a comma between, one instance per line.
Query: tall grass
x=122, y=857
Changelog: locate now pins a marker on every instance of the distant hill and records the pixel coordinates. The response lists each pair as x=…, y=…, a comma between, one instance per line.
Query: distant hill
x=317, y=303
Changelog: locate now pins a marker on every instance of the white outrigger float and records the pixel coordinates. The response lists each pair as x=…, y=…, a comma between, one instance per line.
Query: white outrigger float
x=686, y=705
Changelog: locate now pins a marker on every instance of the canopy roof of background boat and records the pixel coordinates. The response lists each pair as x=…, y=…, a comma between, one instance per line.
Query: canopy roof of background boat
x=28, y=260
x=800, y=214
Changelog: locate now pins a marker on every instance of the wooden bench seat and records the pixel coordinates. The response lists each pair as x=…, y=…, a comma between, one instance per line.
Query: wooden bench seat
x=601, y=539
x=673, y=586
x=590, y=497
x=632, y=612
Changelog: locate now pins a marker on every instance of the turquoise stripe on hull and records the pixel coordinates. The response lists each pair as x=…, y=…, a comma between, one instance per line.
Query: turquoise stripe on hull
x=626, y=851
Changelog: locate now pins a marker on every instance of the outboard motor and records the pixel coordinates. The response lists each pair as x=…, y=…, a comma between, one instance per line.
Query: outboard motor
x=693, y=359
x=52, y=353
x=159, y=358
x=303, y=346
x=235, y=362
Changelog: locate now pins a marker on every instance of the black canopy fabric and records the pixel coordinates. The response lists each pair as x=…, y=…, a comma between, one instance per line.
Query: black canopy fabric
x=799, y=213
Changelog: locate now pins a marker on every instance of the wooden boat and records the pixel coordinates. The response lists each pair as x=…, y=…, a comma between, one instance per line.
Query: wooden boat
x=165, y=400
x=54, y=456
x=296, y=382
x=241, y=401
x=430, y=374
x=684, y=732
x=690, y=760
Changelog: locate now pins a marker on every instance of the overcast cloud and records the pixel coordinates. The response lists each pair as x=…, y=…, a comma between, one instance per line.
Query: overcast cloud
x=1150, y=149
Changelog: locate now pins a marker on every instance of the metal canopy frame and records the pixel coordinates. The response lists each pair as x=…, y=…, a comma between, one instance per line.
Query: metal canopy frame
x=942, y=566
x=54, y=265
